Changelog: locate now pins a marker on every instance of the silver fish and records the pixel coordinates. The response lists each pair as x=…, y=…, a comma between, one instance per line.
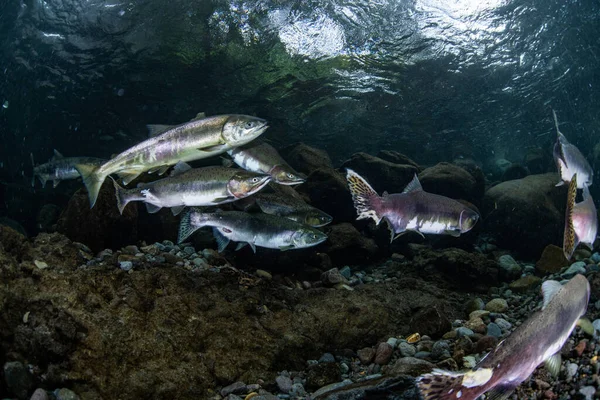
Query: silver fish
x=206, y=186
x=61, y=168
x=194, y=140
x=291, y=208
x=581, y=220
x=539, y=339
x=261, y=230
x=262, y=158
x=412, y=210
x=570, y=161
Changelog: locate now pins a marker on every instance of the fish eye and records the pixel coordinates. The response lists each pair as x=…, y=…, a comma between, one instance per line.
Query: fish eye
x=249, y=125
x=291, y=176
x=255, y=180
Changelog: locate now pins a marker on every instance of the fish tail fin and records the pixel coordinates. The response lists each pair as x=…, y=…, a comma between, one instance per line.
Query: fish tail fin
x=440, y=385
x=556, y=122
x=121, y=195
x=186, y=226
x=91, y=179
x=570, y=240
x=365, y=198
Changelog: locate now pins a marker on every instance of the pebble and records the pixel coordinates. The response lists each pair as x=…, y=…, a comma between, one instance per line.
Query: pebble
x=440, y=350
x=65, y=394
x=366, y=355
x=575, y=268
x=462, y=331
x=344, y=368
x=261, y=273
x=474, y=305
x=571, y=371
x=392, y=341
x=126, y=265
x=284, y=383
x=525, y=283
x=494, y=330
x=407, y=349
x=297, y=390
x=508, y=264
x=383, y=354
x=422, y=354
x=200, y=262
x=327, y=358
x=131, y=250
x=331, y=387
x=469, y=362
x=596, y=323
x=236, y=387
x=596, y=257
x=588, y=392
x=332, y=277
x=346, y=272
x=39, y=394
x=189, y=250
x=503, y=324
x=497, y=305
x=479, y=314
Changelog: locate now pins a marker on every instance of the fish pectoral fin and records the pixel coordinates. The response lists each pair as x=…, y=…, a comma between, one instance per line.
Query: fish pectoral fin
x=559, y=184
x=57, y=155
x=452, y=232
x=128, y=176
x=549, y=289
x=586, y=326
x=180, y=168
x=222, y=241
x=218, y=147
x=240, y=246
x=55, y=183
x=284, y=248
x=161, y=170
x=500, y=392
x=252, y=246
x=222, y=199
x=390, y=227
x=152, y=208
x=552, y=364
x=177, y=209
x=226, y=162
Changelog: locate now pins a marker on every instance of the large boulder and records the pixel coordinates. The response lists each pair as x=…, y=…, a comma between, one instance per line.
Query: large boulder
x=304, y=158
x=525, y=215
x=397, y=158
x=382, y=175
x=328, y=190
x=346, y=245
x=102, y=226
x=452, y=181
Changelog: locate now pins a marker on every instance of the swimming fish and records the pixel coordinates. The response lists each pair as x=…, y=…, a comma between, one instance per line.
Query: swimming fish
x=291, y=208
x=581, y=220
x=412, y=210
x=539, y=339
x=206, y=186
x=60, y=168
x=570, y=161
x=197, y=139
x=262, y=158
x=262, y=230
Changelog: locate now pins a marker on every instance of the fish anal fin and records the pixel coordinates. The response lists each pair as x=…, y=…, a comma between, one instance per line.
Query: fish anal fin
x=222, y=241
x=570, y=240
x=285, y=248
x=552, y=364
x=413, y=185
x=152, y=208
x=180, y=168
x=217, y=147
x=549, y=289
x=452, y=232
x=55, y=183
x=128, y=176
x=252, y=246
x=157, y=129
x=500, y=392
x=240, y=246
x=161, y=170
x=177, y=209
x=57, y=155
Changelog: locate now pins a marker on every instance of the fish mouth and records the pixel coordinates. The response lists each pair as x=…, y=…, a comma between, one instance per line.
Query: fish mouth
x=265, y=180
x=291, y=182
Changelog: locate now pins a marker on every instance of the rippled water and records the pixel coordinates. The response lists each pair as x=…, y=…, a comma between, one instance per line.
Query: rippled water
x=435, y=79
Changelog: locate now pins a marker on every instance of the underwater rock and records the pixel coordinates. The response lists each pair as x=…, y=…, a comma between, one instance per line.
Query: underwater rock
x=322, y=374
x=451, y=181
x=515, y=171
x=18, y=379
x=382, y=175
x=47, y=217
x=328, y=191
x=509, y=268
x=431, y=321
x=11, y=223
x=552, y=260
x=366, y=355
x=525, y=283
x=14, y=243
x=497, y=305
x=397, y=158
x=409, y=366
x=526, y=215
x=383, y=353
x=346, y=245
x=102, y=226
x=306, y=159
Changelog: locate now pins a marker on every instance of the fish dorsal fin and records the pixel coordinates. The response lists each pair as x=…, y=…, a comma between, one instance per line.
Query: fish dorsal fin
x=222, y=241
x=198, y=116
x=413, y=186
x=552, y=364
x=556, y=123
x=157, y=129
x=180, y=168
x=500, y=392
x=570, y=240
x=549, y=289
x=57, y=155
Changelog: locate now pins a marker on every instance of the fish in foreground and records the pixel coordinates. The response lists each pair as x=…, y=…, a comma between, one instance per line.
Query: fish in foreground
x=262, y=230
x=570, y=161
x=539, y=339
x=291, y=208
x=262, y=158
x=206, y=186
x=581, y=220
x=194, y=140
x=412, y=210
x=60, y=168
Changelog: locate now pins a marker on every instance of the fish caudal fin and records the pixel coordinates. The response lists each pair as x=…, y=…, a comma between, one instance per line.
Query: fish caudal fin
x=121, y=195
x=570, y=240
x=92, y=180
x=365, y=198
x=186, y=228
x=440, y=385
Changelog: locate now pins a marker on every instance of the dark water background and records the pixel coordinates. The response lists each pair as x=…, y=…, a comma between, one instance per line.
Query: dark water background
x=434, y=79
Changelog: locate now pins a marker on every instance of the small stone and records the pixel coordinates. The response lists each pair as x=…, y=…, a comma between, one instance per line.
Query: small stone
x=571, y=371
x=131, y=250
x=510, y=267
x=261, y=273
x=392, y=342
x=332, y=277
x=406, y=349
x=596, y=257
x=200, y=262
x=440, y=350
x=580, y=348
x=575, y=268
x=474, y=305
x=189, y=250
x=284, y=383
x=297, y=391
x=65, y=394
x=543, y=385
x=236, y=387
x=39, y=394
x=346, y=272
x=503, y=324
x=462, y=331
x=327, y=358
x=449, y=364
x=464, y=344
x=366, y=355
x=497, y=305
x=410, y=366
x=588, y=392
x=479, y=314
x=383, y=353
x=450, y=335
x=17, y=378
x=469, y=362
x=40, y=264
x=125, y=265
x=552, y=260
x=344, y=368
x=322, y=374
x=494, y=330
x=423, y=354
x=525, y=283
x=476, y=325
x=330, y=388
x=255, y=387
x=486, y=343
